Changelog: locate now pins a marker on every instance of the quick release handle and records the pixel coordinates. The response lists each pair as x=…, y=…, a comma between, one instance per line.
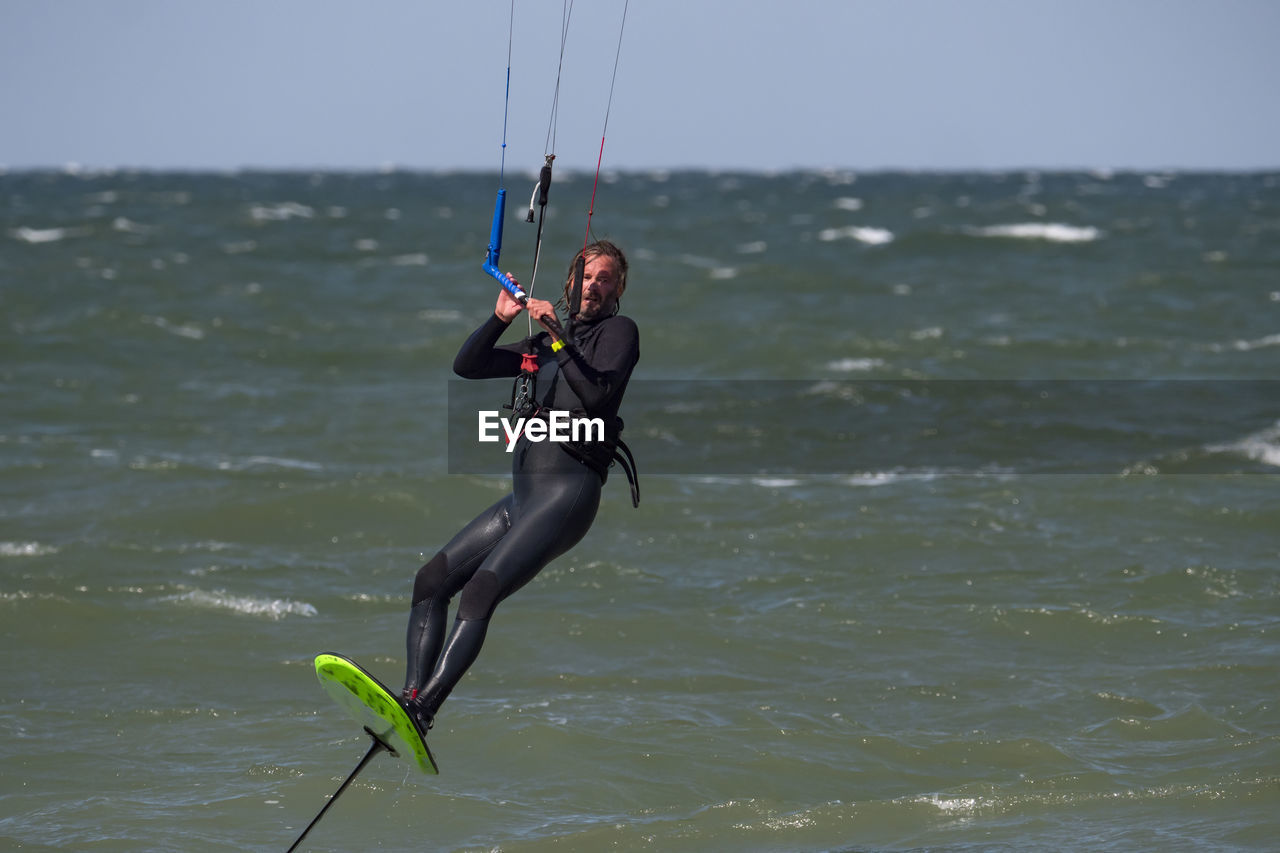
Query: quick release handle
x=544, y=185
x=495, y=249
x=540, y=190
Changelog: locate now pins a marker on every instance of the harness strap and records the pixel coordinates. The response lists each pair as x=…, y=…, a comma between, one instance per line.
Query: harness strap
x=627, y=462
x=600, y=456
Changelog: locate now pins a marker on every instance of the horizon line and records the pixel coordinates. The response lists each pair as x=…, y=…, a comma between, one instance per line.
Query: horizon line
x=76, y=168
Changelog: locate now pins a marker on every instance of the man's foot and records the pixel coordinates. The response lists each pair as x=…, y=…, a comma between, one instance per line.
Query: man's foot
x=419, y=716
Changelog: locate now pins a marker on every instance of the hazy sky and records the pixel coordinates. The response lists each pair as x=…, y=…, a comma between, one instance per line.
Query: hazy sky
x=755, y=84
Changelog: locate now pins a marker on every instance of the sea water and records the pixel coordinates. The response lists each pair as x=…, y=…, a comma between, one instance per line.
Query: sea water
x=959, y=528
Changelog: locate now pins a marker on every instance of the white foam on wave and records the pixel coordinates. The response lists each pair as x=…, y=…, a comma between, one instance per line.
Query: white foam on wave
x=25, y=549
x=268, y=462
x=1247, y=346
x=763, y=482
x=173, y=461
x=280, y=212
x=861, y=480
x=1053, y=232
x=957, y=806
x=184, y=330
x=39, y=235
x=855, y=365
x=872, y=479
x=1262, y=446
x=923, y=475
x=869, y=236
x=847, y=203
x=248, y=605
x=128, y=226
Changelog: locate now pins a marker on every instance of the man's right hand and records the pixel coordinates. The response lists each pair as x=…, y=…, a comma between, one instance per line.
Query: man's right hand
x=507, y=307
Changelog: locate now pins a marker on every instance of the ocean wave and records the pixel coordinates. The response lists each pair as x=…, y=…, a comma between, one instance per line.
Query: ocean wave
x=280, y=212
x=867, y=235
x=248, y=605
x=42, y=235
x=861, y=479
x=27, y=595
x=1247, y=346
x=184, y=330
x=864, y=479
x=223, y=390
x=1190, y=723
x=1053, y=232
x=715, y=269
x=239, y=247
x=251, y=462
x=1049, y=617
x=128, y=226
x=888, y=478
x=849, y=365
x=990, y=805
x=25, y=549
x=763, y=482
x=1262, y=446
x=441, y=315
x=172, y=461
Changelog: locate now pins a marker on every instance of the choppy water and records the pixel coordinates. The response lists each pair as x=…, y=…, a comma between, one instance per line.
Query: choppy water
x=965, y=536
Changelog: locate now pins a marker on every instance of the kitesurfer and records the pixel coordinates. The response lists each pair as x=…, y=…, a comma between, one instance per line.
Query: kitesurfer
x=555, y=486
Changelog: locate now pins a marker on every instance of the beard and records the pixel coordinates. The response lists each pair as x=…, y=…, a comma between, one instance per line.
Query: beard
x=594, y=309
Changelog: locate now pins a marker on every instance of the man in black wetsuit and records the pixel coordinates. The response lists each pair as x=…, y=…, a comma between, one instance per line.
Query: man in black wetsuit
x=555, y=488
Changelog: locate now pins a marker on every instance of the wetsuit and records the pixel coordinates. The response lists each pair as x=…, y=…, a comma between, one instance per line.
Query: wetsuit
x=553, y=501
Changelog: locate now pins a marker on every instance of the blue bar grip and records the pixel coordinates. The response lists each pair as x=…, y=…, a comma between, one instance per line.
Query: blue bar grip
x=495, y=249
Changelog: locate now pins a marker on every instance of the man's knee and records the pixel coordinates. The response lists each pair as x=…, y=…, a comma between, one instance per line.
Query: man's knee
x=480, y=596
x=430, y=578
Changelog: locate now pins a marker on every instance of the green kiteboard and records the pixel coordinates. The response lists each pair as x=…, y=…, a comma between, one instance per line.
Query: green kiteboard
x=379, y=711
x=375, y=707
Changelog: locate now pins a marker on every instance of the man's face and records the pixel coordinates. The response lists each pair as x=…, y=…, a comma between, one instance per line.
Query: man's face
x=601, y=287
